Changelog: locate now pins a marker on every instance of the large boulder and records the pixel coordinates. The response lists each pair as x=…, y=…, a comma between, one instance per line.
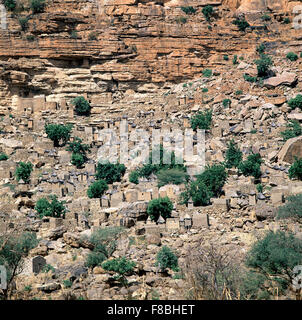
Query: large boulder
x=291, y=149
x=286, y=78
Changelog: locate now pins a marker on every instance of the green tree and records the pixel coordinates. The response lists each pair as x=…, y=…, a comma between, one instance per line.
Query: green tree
x=202, y=120
x=97, y=189
x=198, y=191
x=58, y=132
x=233, y=155
x=79, y=150
x=23, y=171
x=110, y=172
x=251, y=166
x=214, y=177
x=134, y=176
x=242, y=24
x=159, y=207
x=166, y=259
x=13, y=249
x=53, y=208
x=82, y=106
x=275, y=257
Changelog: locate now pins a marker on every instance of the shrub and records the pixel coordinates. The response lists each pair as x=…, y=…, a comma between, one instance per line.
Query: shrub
x=67, y=283
x=263, y=65
x=82, y=106
x=233, y=155
x=205, y=90
x=3, y=156
x=57, y=133
x=37, y=6
x=202, y=120
x=248, y=78
x=266, y=17
x=207, y=12
x=252, y=286
x=198, y=191
x=292, y=208
x=242, y=24
x=251, y=166
x=295, y=102
x=47, y=268
x=122, y=266
x=134, y=176
x=275, y=256
x=110, y=172
x=53, y=208
x=73, y=34
x=10, y=5
x=159, y=207
x=295, y=170
x=294, y=131
x=97, y=189
x=94, y=259
x=13, y=249
x=188, y=10
x=23, y=21
x=286, y=21
x=181, y=20
x=292, y=56
x=171, y=176
x=261, y=48
x=226, y=57
x=238, y=92
x=235, y=59
x=207, y=73
x=166, y=259
x=226, y=103
x=259, y=188
x=30, y=37
x=23, y=171
x=214, y=177
x=92, y=36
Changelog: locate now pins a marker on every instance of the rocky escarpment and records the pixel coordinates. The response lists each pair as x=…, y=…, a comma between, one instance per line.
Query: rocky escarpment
x=96, y=48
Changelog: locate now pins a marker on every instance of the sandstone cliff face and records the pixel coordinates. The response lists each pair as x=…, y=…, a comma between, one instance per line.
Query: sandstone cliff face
x=135, y=42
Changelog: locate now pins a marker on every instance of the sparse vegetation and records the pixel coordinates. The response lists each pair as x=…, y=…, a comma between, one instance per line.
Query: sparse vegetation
x=263, y=65
x=292, y=208
x=242, y=24
x=37, y=6
x=23, y=21
x=188, y=10
x=171, y=176
x=208, y=12
x=294, y=130
x=295, y=102
x=207, y=73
